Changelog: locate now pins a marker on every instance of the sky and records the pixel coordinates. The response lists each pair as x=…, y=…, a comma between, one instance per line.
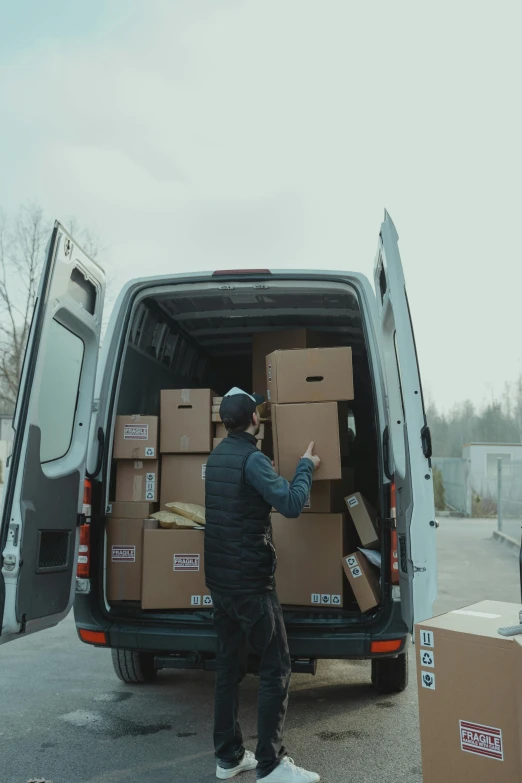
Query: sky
x=207, y=134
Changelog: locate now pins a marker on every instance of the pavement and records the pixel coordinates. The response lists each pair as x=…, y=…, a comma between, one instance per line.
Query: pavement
x=65, y=717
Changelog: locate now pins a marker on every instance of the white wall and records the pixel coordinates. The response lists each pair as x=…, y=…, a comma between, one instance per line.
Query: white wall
x=483, y=470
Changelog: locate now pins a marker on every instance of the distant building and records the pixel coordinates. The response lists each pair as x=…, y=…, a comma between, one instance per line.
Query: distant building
x=6, y=427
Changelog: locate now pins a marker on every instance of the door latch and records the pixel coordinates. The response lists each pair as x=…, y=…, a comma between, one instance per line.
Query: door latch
x=417, y=570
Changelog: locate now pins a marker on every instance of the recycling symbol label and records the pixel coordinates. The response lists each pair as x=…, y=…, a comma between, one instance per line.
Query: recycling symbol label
x=336, y=600
x=428, y=680
x=149, y=452
x=427, y=658
x=207, y=600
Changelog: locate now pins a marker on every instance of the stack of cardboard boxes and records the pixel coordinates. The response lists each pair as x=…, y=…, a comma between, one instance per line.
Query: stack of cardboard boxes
x=308, y=389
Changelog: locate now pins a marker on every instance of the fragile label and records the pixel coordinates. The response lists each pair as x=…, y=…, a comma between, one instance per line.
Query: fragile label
x=427, y=639
x=428, y=680
x=269, y=373
x=427, y=658
x=136, y=432
x=353, y=501
x=123, y=554
x=186, y=563
x=481, y=740
x=203, y=470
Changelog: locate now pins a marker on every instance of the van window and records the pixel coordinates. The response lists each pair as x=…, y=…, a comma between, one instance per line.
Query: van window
x=59, y=384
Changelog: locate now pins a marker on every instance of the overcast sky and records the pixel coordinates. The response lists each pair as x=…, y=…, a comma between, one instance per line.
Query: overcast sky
x=200, y=134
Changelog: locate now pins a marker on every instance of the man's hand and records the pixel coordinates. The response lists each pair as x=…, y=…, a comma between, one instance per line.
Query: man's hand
x=309, y=454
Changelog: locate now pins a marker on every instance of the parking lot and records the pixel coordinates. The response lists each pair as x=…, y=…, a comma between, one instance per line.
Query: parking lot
x=66, y=718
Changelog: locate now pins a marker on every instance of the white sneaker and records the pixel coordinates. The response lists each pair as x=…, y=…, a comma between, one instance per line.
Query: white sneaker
x=248, y=762
x=287, y=772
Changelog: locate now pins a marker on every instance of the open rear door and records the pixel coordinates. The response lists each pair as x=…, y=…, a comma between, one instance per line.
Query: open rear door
x=409, y=434
x=43, y=492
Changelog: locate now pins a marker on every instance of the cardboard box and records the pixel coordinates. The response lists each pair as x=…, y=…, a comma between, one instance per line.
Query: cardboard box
x=185, y=425
x=183, y=478
x=131, y=509
x=327, y=497
x=469, y=686
x=295, y=426
x=309, y=375
x=309, y=551
x=221, y=430
x=264, y=343
x=124, y=557
x=136, y=437
x=216, y=442
x=217, y=400
x=216, y=418
x=364, y=517
x=363, y=579
x=174, y=570
x=137, y=480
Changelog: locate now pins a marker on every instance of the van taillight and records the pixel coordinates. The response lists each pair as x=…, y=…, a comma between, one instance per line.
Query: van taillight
x=394, y=553
x=84, y=552
x=87, y=498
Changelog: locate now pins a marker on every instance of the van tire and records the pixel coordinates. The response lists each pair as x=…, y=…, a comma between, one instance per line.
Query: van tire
x=134, y=667
x=390, y=675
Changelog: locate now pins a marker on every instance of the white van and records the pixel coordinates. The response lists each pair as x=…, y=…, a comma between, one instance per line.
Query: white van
x=195, y=330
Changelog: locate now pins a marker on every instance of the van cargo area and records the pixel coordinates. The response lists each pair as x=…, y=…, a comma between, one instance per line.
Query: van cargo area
x=202, y=336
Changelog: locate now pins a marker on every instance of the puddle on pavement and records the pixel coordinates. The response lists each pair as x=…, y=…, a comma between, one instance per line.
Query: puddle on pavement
x=111, y=725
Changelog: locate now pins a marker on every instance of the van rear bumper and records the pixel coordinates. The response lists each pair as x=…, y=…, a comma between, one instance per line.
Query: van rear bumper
x=313, y=643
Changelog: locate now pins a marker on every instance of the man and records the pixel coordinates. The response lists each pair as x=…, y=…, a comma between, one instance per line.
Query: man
x=241, y=488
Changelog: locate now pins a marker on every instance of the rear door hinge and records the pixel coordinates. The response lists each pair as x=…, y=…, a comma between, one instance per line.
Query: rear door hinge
x=416, y=569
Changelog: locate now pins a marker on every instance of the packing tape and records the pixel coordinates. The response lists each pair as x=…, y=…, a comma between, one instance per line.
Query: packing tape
x=185, y=395
x=184, y=443
x=137, y=488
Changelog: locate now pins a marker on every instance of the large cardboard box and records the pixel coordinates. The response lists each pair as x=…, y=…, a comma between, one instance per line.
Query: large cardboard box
x=309, y=551
x=174, y=570
x=221, y=430
x=136, y=437
x=264, y=343
x=130, y=509
x=137, y=480
x=186, y=425
x=124, y=557
x=310, y=375
x=363, y=579
x=183, y=478
x=364, y=517
x=295, y=426
x=469, y=686
x=327, y=497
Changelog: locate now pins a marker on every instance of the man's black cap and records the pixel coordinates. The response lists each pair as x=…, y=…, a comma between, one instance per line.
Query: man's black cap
x=236, y=403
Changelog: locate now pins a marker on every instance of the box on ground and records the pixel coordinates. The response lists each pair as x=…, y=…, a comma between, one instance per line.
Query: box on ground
x=183, y=478
x=310, y=375
x=309, y=551
x=469, y=686
x=328, y=496
x=174, y=570
x=295, y=426
x=124, y=557
x=185, y=425
x=264, y=343
x=364, y=517
x=363, y=579
x=137, y=480
x=130, y=509
x=136, y=437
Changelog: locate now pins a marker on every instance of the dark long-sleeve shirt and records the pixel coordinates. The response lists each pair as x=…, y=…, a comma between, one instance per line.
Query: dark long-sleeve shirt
x=288, y=498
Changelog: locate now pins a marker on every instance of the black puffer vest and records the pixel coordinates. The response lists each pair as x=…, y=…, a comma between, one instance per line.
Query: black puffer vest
x=239, y=554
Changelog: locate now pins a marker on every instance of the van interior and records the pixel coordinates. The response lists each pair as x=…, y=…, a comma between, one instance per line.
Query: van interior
x=199, y=335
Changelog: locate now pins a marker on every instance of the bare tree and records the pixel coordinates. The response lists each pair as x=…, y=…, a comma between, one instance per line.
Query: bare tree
x=22, y=245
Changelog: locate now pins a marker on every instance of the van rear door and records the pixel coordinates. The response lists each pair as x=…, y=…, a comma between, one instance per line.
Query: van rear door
x=409, y=434
x=43, y=492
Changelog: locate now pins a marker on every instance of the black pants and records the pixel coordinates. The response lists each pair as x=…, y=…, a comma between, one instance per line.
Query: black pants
x=255, y=620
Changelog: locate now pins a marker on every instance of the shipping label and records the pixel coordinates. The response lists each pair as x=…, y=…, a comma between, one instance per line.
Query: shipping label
x=136, y=432
x=427, y=638
x=352, y=502
x=427, y=658
x=186, y=563
x=203, y=470
x=481, y=740
x=428, y=680
x=123, y=554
